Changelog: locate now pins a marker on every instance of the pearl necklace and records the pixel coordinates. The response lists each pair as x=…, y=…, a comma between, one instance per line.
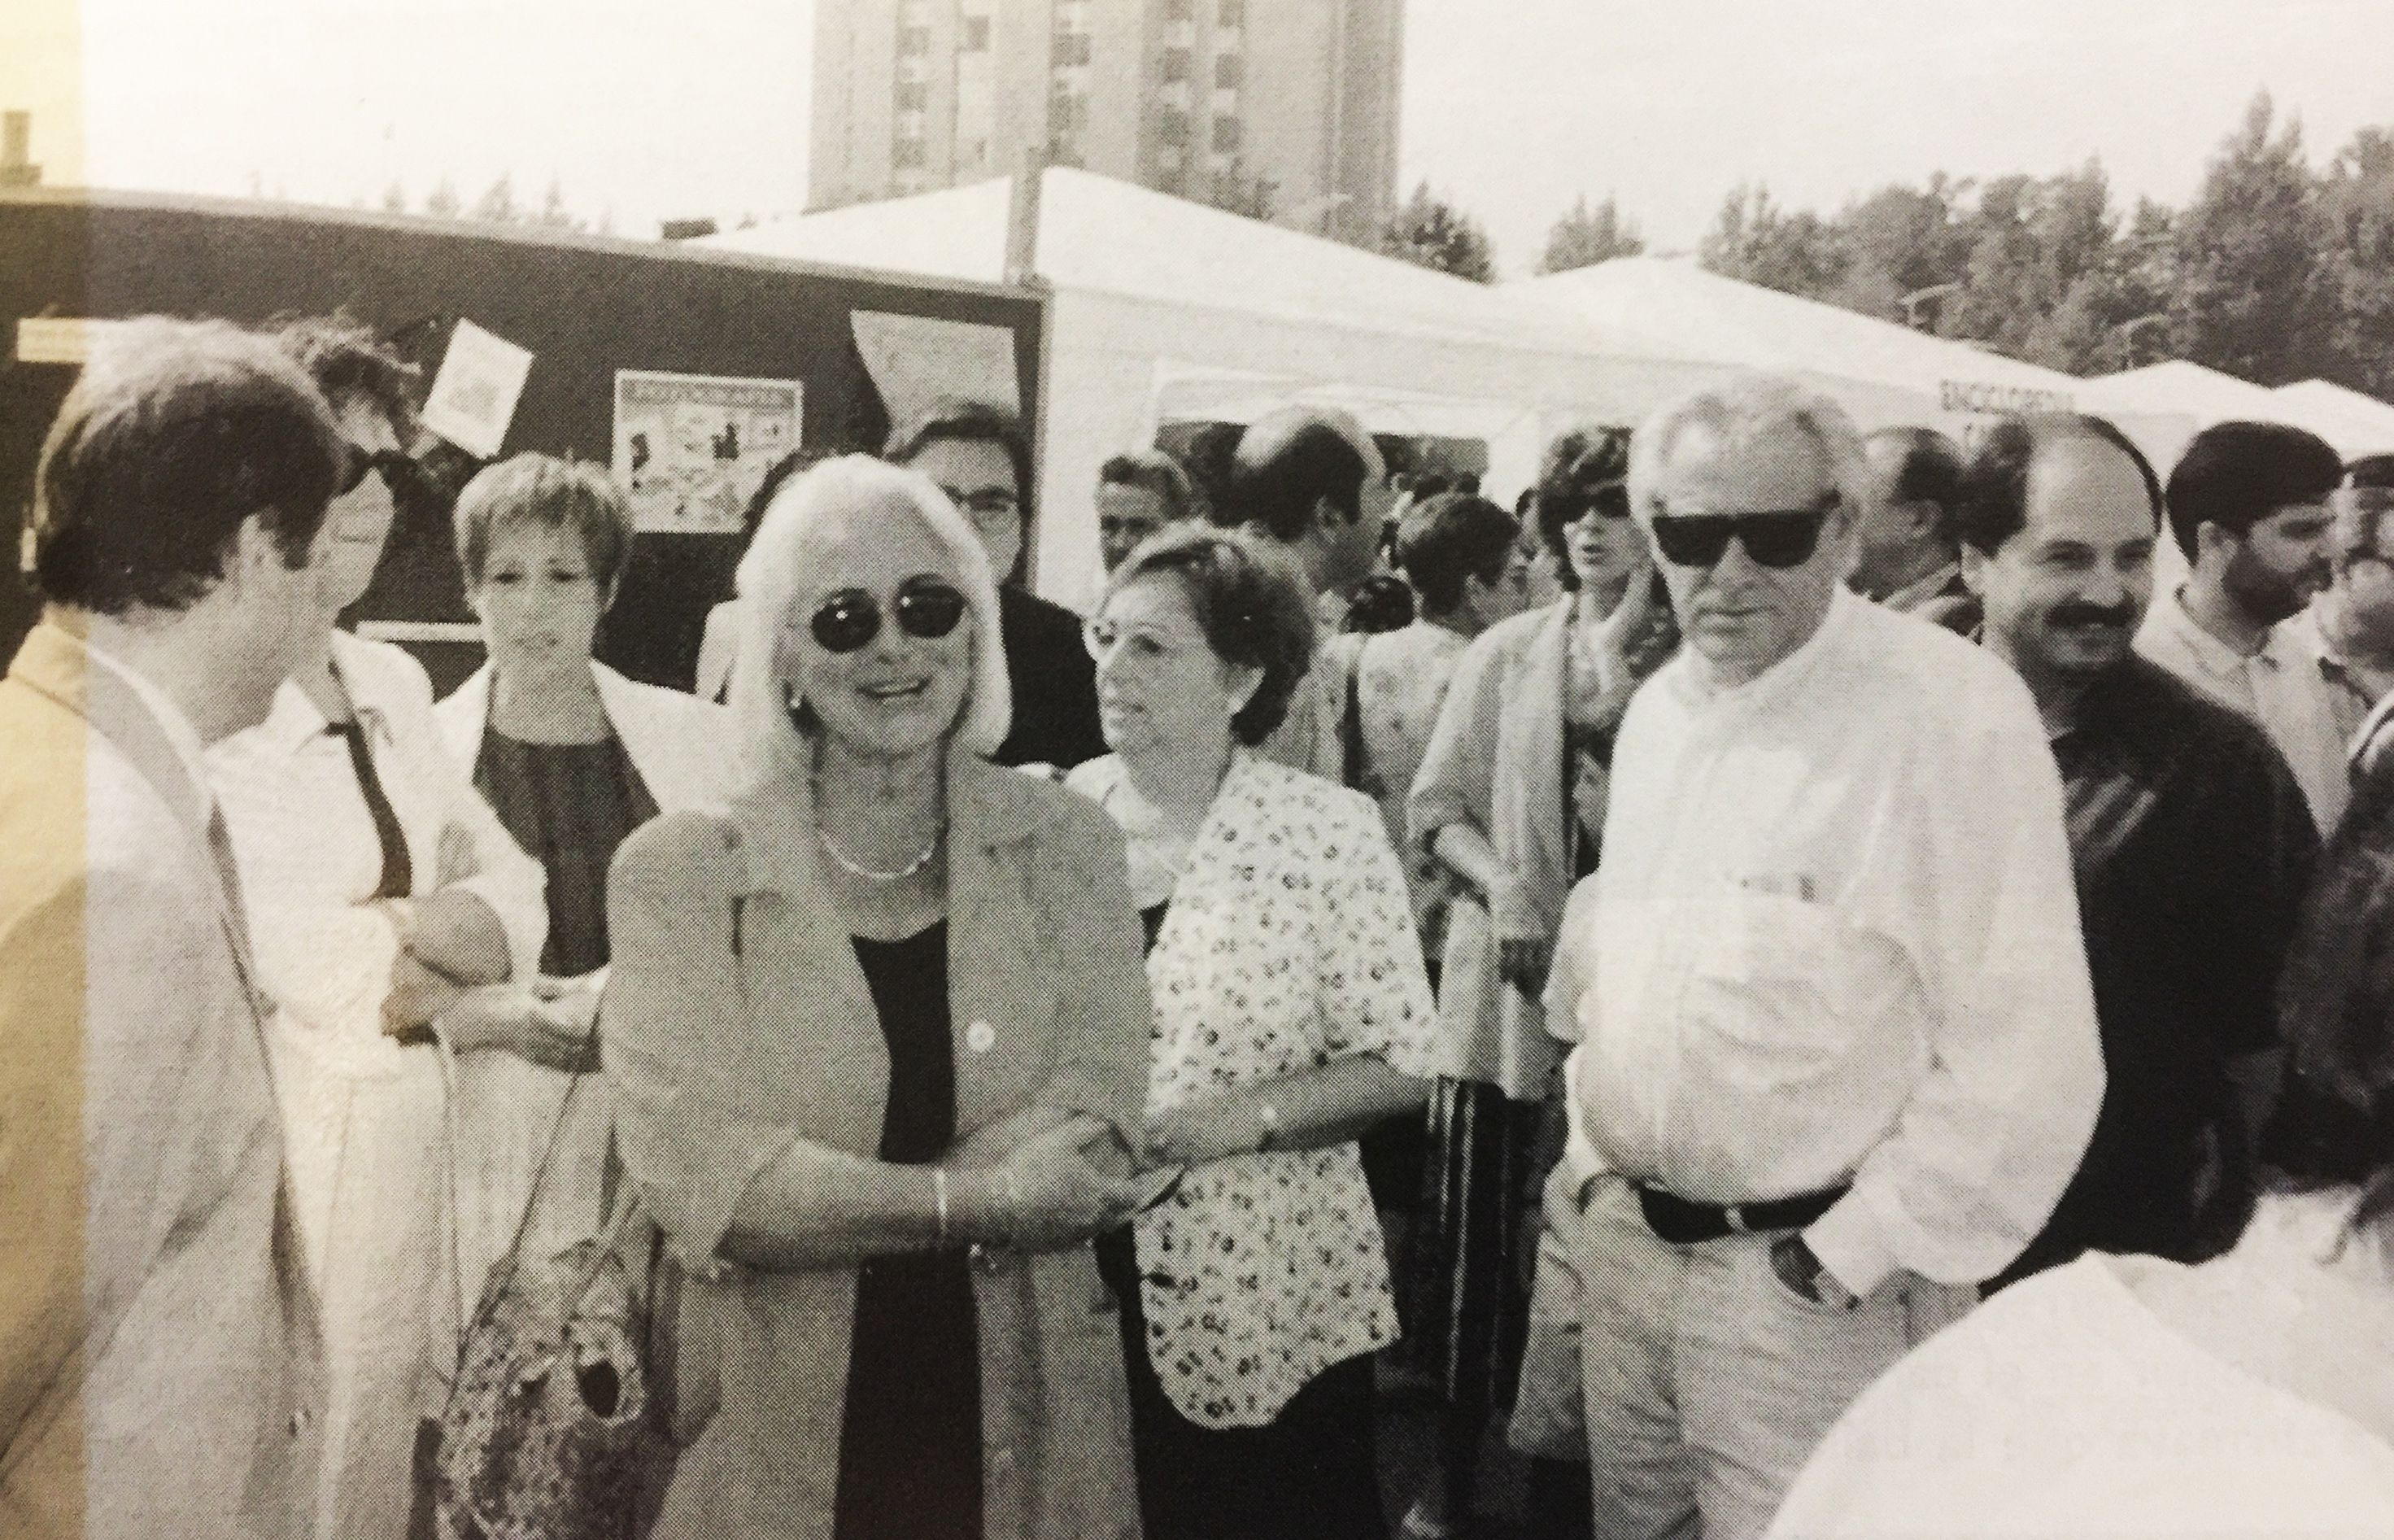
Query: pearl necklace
x=855, y=868
x=858, y=869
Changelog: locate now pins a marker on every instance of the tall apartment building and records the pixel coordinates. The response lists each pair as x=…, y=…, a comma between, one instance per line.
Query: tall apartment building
x=1208, y=99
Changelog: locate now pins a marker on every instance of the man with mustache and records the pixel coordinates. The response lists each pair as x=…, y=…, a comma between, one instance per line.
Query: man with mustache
x=2248, y=508
x=2190, y=840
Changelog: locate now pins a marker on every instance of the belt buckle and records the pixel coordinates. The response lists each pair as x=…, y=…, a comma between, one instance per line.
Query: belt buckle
x=1734, y=1216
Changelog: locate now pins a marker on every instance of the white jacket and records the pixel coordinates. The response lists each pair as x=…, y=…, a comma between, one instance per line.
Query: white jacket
x=682, y=747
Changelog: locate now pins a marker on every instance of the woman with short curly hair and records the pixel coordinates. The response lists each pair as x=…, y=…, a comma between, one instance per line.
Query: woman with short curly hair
x=1291, y=1013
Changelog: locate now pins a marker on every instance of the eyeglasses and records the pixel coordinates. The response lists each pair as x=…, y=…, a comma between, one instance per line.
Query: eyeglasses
x=987, y=503
x=848, y=620
x=391, y=464
x=1610, y=501
x=1774, y=537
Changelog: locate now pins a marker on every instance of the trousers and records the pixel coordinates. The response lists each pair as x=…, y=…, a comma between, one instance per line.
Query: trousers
x=1706, y=1382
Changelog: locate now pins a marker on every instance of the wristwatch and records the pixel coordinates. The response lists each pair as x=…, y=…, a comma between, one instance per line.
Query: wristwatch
x=1804, y=1273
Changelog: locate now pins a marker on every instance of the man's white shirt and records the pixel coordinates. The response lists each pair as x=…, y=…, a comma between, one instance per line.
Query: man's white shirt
x=1834, y=940
x=2279, y=687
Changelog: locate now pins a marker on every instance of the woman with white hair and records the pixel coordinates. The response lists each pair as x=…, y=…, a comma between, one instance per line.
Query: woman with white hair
x=875, y=1036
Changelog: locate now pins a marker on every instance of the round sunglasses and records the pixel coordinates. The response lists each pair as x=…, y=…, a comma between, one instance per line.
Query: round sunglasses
x=393, y=464
x=848, y=619
x=1778, y=538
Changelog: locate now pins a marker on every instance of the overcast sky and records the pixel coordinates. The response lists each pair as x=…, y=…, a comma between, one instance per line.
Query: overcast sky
x=1511, y=106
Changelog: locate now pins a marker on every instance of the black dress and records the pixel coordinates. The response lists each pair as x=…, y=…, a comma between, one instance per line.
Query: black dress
x=910, y=1439
x=569, y=806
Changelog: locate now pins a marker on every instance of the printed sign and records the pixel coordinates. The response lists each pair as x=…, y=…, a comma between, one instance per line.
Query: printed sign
x=916, y=361
x=59, y=339
x=473, y=398
x=690, y=449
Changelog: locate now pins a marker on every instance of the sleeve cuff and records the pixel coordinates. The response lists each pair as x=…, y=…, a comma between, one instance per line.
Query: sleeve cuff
x=526, y=927
x=1849, y=1244
x=698, y=1216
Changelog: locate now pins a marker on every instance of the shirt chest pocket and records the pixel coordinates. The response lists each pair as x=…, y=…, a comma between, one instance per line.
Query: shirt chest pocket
x=1767, y=973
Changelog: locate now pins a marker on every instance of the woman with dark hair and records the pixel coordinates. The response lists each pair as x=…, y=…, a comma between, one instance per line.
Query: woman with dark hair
x=1510, y=800
x=2137, y=1398
x=1291, y=1013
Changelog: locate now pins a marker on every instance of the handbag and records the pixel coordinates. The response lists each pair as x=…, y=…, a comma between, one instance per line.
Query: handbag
x=558, y=1422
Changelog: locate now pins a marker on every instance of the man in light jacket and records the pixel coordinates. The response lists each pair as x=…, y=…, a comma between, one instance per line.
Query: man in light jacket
x=159, y=1363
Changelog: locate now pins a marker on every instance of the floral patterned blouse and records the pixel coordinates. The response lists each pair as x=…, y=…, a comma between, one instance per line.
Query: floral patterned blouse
x=1289, y=943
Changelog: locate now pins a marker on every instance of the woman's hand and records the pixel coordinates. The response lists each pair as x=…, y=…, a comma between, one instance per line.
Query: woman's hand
x=418, y=996
x=1052, y=1194
x=548, y=1023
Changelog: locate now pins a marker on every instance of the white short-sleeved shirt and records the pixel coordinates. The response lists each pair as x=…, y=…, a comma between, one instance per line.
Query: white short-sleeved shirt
x=1289, y=944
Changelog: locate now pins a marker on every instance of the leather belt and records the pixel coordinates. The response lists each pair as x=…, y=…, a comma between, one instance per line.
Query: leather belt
x=1683, y=1223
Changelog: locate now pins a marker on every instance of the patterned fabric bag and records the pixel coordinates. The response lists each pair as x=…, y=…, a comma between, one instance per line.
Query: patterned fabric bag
x=557, y=1423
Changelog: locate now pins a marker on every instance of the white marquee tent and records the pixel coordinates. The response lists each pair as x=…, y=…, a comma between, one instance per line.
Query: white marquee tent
x=2354, y=423
x=1883, y=372
x=2194, y=390
x=1164, y=310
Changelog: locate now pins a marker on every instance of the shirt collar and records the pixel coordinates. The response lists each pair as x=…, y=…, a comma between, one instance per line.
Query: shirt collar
x=1921, y=590
x=2208, y=652
x=176, y=728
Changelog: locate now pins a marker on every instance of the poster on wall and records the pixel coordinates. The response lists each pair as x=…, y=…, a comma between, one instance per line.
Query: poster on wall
x=473, y=398
x=917, y=360
x=690, y=449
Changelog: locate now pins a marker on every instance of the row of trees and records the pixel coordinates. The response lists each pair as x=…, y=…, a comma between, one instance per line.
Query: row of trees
x=498, y=204
x=2275, y=272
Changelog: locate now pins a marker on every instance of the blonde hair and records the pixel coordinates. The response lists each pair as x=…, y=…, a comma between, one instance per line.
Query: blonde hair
x=771, y=576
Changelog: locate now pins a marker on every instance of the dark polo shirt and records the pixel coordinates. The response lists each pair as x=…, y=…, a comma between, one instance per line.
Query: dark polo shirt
x=2193, y=846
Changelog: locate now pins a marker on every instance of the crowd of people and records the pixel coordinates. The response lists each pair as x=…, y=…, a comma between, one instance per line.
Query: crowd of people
x=1784, y=974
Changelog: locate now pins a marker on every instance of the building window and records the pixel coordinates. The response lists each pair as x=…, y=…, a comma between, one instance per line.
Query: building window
x=1172, y=126
x=1175, y=64
x=1233, y=14
x=907, y=153
x=1072, y=48
x=915, y=40
x=912, y=96
x=1226, y=136
x=1179, y=10
x=1067, y=112
x=1228, y=70
x=976, y=35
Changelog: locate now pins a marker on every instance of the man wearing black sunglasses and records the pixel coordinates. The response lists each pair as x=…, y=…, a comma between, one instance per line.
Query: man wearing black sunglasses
x=1838, y=1052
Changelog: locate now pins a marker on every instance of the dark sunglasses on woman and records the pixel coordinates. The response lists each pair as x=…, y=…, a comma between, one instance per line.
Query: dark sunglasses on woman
x=395, y=467
x=1779, y=538
x=847, y=620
